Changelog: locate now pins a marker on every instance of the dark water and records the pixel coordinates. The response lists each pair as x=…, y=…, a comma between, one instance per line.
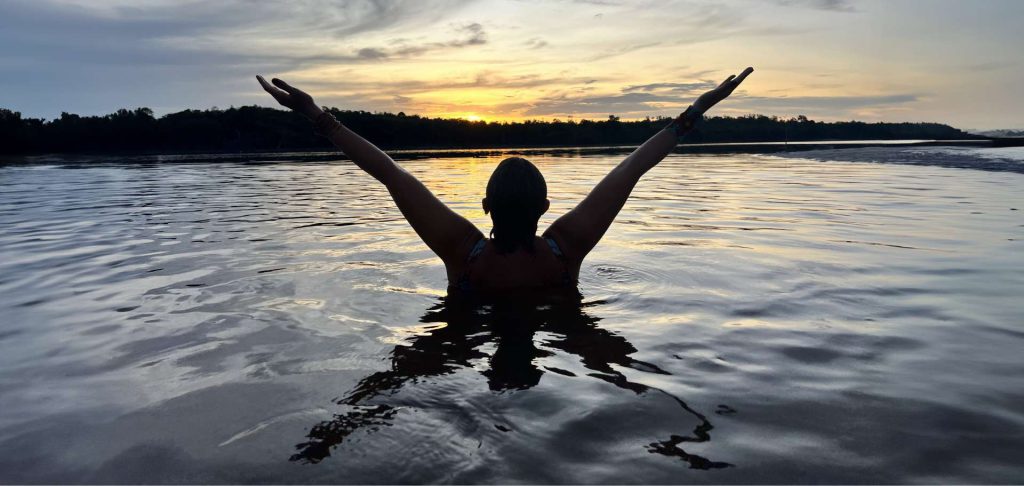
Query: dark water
x=746, y=319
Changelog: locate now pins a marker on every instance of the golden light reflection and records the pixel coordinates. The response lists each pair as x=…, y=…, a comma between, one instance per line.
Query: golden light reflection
x=401, y=335
x=292, y=304
x=461, y=183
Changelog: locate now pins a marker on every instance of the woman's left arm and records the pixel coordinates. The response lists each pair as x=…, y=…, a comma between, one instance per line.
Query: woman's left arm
x=579, y=230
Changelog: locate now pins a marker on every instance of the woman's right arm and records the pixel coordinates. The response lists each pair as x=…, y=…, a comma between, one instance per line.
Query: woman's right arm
x=448, y=234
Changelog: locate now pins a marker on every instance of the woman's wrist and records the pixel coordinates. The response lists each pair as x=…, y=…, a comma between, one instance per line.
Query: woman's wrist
x=325, y=124
x=312, y=112
x=699, y=108
x=685, y=121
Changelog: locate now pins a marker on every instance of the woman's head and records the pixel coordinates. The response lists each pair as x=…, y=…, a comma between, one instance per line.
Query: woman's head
x=516, y=198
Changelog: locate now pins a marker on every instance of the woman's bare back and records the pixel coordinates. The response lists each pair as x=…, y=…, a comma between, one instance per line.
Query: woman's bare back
x=489, y=271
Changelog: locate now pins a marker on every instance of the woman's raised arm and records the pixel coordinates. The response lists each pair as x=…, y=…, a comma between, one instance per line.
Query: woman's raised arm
x=448, y=234
x=579, y=230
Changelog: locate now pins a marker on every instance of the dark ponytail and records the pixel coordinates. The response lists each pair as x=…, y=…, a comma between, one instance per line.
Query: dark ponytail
x=516, y=197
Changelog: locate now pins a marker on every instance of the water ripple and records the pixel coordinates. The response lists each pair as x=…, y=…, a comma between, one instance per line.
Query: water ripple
x=775, y=318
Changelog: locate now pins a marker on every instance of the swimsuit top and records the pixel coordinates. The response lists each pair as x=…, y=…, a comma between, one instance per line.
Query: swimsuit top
x=464, y=285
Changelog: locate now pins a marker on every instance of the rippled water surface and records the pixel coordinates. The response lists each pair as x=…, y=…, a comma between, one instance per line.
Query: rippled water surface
x=746, y=319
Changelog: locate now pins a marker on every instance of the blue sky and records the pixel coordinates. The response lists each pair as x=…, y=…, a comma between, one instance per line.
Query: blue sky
x=955, y=62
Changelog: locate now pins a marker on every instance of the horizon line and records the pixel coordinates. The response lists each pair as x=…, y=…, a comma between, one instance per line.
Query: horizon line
x=480, y=119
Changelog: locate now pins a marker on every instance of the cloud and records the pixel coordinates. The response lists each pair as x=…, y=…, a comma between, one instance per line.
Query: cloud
x=832, y=5
x=485, y=79
x=626, y=104
x=687, y=25
x=371, y=53
x=694, y=87
x=989, y=66
x=833, y=103
x=601, y=3
x=626, y=49
x=93, y=57
x=536, y=43
x=471, y=35
x=221, y=34
x=476, y=33
x=637, y=100
x=665, y=99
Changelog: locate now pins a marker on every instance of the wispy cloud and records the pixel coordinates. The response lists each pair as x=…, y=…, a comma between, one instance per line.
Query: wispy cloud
x=483, y=79
x=629, y=105
x=621, y=50
x=662, y=99
x=536, y=43
x=98, y=56
x=688, y=88
x=833, y=5
x=472, y=34
x=817, y=103
x=222, y=33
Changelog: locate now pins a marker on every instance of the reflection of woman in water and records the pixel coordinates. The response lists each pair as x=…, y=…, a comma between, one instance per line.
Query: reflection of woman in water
x=509, y=329
x=514, y=258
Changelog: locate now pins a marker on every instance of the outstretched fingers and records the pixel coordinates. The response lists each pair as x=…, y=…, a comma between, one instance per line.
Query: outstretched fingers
x=734, y=80
x=278, y=95
x=746, y=72
x=283, y=85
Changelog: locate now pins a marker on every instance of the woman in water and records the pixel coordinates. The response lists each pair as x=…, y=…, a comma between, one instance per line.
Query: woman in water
x=514, y=258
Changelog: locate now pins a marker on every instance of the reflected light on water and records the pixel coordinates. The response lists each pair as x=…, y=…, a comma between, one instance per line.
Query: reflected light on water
x=765, y=318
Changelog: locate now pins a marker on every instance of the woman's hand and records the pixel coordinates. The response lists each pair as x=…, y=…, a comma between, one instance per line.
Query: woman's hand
x=711, y=98
x=291, y=97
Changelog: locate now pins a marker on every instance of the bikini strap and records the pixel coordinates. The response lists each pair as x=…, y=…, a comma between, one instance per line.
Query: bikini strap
x=463, y=282
x=477, y=249
x=566, y=277
x=554, y=248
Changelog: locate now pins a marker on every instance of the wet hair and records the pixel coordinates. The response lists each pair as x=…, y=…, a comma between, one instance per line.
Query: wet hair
x=516, y=197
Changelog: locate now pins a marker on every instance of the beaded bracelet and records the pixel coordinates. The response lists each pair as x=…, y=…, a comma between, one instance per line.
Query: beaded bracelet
x=685, y=121
x=325, y=124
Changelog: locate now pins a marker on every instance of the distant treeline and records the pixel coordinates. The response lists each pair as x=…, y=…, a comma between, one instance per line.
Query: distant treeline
x=1001, y=133
x=253, y=128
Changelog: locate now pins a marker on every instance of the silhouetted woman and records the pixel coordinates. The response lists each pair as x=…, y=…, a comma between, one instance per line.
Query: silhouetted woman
x=514, y=258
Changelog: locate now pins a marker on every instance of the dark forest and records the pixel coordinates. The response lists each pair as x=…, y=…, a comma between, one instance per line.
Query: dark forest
x=253, y=128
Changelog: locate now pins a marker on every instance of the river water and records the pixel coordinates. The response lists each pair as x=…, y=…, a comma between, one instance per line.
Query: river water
x=799, y=317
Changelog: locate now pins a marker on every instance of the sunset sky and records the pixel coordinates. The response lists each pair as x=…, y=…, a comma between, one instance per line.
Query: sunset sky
x=956, y=62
